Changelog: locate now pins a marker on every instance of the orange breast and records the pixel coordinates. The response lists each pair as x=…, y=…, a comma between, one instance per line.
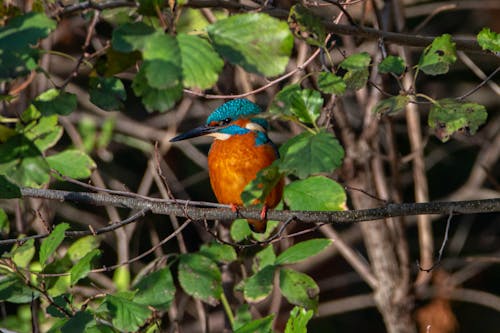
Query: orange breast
x=234, y=162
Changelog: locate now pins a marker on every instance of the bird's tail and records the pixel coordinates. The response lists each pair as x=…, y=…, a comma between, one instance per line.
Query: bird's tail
x=257, y=225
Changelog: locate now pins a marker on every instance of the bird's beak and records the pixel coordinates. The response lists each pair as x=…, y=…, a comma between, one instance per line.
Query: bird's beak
x=195, y=132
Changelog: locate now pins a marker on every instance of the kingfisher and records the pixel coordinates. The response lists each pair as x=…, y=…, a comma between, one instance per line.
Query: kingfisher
x=240, y=150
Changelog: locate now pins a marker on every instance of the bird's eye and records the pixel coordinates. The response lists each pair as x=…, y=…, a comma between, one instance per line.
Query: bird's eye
x=226, y=121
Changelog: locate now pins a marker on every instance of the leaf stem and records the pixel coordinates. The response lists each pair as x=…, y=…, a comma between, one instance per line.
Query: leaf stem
x=227, y=308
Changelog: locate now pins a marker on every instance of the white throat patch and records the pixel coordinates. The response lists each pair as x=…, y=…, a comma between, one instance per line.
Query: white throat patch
x=255, y=127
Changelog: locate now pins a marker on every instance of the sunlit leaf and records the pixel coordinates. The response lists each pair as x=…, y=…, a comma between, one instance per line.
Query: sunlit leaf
x=437, y=57
x=222, y=253
x=299, y=317
x=302, y=251
x=23, y=254
x=256, y=41
x=489, y=40
x=72, y=163
x=303, y=104
x=309, y=153
x=449, y=116
x=201, y=65
x=52, y=242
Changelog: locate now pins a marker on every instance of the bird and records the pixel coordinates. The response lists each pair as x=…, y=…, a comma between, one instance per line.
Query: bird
x=241, y=148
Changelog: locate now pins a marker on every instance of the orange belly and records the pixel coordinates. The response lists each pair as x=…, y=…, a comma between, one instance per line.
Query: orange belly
x=233, y=163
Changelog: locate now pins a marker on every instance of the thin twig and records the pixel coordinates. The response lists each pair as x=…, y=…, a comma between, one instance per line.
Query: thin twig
x=441, y=249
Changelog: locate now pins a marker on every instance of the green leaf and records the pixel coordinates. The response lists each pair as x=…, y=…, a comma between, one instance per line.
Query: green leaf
x=297, y=323
x=256, y=41
x=437, y=57
x=72, y=163
x=392, y=64
x=108, y=93
x=14, y=290
x=330, y=83
x=263, y=258
x=489, y=40
x=52, y=242
x=201, y=65
x=22, y=162
x=262, y=325
x=391, y=105
x=222, y=253
x=162, y=61
x=58, y=303
x=355, y=62
x=45, y=132
x=22, y=255
x=81, y=247
x=121, y=278
x=242, y=316
x=17, y=38
x=152, y=98
x=200, y=277
x=8, y=190
x=316, y=193
x=449, y=116
x=260, y=285
x=156, y=289
x=54, y=101
x=150, y=7
x=357, y=73
x=303, y=104
x=299, y=288
x=78, y=323
x=356, y=79
x=126, y=315
x=310, y=153
x=302, y=251
x=256, y=192
x=4, y=219
x=129, y=37
x=240, y=230
x=84, y=266
x=305, y=25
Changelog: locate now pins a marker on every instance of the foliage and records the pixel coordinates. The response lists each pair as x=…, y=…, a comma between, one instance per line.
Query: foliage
x=152, y=56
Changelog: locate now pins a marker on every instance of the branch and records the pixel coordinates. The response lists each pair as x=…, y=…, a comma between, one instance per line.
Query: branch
x=192, y=210
x=464, y=44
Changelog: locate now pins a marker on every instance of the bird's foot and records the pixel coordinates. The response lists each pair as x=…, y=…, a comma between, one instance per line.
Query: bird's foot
x=263, y=213
x=234, y=208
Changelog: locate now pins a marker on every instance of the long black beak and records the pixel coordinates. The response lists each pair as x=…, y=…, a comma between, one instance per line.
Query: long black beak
x=195, y=132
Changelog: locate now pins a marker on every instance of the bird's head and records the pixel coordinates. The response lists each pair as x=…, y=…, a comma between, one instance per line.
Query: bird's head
x=235, y=117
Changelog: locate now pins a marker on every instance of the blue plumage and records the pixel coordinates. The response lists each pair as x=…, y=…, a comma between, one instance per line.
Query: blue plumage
x=234, y=109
